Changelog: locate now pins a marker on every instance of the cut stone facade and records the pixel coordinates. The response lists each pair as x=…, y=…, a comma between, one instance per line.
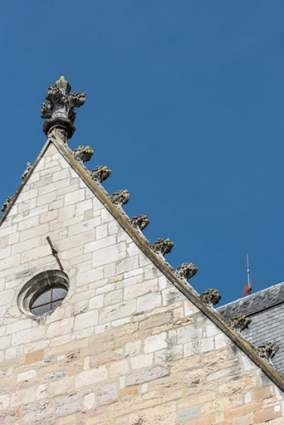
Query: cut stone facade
x=125, y=347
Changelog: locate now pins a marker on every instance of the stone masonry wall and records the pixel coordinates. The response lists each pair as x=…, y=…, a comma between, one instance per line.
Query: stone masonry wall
x=125, y=347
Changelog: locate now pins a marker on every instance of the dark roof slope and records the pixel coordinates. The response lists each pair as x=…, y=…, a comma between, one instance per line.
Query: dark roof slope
x=266, y=309
x=254, y=303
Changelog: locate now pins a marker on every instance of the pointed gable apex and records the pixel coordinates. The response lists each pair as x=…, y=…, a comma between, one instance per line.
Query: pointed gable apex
x=170, y=290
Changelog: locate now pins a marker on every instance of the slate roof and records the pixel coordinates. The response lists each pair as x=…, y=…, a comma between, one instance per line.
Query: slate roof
x=266, y=309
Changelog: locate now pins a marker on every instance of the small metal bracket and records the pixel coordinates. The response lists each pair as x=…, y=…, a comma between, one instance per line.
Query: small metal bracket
x=54, y=253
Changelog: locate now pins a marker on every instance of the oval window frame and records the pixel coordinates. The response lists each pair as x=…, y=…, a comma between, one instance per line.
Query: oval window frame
x=36, y=285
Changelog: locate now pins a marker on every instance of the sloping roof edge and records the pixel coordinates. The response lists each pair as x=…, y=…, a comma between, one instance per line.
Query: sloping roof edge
x=144, y=245
x=255, y=303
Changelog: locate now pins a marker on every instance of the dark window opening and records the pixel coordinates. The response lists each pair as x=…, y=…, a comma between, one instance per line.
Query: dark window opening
x=48, y=300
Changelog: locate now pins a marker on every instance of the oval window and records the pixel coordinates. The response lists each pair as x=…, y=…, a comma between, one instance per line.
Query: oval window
x=48, y=300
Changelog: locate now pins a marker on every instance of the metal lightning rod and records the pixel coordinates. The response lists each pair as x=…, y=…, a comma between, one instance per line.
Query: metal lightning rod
x=248, y=270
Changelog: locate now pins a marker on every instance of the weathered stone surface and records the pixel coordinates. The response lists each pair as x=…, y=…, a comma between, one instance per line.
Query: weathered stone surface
x=162, y=246
x=29, y=166
x=100, y=173
x=140, y=222
x=60, y=110
x=239, y=322
x=6, y=203
x=210, y=297
x=186, y=270
x=83, y=153
x=120, y=197
x=267, y=350
x=125, y=347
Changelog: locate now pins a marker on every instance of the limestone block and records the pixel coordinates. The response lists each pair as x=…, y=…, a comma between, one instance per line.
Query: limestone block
x=146, y=375
x=36, y=412
x=90, y=377
x=60, y=327
x=74, y=197
x=86, y=320
x=107, y=394
x=109, y=254
x=139, y=289
x=149, y=302
x=132, y=348
x=118, y=368
x=155, y=343
x=67, y=405
x=6, y=296
x=143, y=360
x=117, y=311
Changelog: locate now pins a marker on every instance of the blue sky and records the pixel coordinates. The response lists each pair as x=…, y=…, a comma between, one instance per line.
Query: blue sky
x=184, y=104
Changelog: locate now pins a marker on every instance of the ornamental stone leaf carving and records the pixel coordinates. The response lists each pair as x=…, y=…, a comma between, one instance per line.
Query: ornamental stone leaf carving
x=239, y=322
x=267, y=351
x=83, y=153
x=120, y=197
x=162, y=246
x=210, y=297
x=6, y=203
x=29, y=166
x=140, y=222
x=100, y=173
x=60, y=110
x=186, y=271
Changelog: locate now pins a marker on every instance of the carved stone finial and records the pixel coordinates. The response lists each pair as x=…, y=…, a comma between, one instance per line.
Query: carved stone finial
x=100, y=173
x=267, y=351
x=60, y=110
x=239, y=322
x=210, y=297
x=186, y=271
x=120, y=197
x=83, y=153
x=6, y=203
x=140, y=222
x=29, y=166
x=162, y=246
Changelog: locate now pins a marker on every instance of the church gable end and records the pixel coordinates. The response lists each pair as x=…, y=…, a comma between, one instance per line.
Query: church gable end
x=131, y=343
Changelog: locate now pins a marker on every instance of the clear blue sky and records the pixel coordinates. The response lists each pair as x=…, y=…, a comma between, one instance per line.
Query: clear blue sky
x=184, y=104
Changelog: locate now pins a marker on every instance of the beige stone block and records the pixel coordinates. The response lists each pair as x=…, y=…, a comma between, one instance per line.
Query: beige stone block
x=26, y=245
x=109, y=254
x=86, y=320
x=155, y=343
x=38, y=230
x=118, y=368
x=149, y=302
x=6, y=297
x=59, y=328
x=90, y=377
x=45, y=199
x=139, y=289
x=132, y=348
x=143, y=360
x=74, y=197
x=117, y=311
x=162, y=414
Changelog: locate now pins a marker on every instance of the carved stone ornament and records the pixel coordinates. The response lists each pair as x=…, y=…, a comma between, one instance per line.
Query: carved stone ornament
x=239, y=322
x=210, y=297
x=186, y=271
x=100, y=173
x=83, y=153
x=29, y=166
x=267, y=350
x=6, y=203
x=162, y=246
x=60, y=110
x=120, y=197
x=140, y=222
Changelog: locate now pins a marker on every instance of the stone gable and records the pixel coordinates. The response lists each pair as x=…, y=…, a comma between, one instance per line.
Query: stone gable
x=125, y=347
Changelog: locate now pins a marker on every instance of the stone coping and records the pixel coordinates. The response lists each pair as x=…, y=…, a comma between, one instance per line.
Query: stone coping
x=145, y=247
